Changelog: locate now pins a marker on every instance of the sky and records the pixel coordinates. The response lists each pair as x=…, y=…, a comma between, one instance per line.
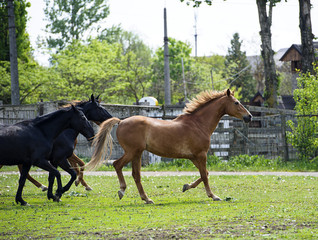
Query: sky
x=215, y=25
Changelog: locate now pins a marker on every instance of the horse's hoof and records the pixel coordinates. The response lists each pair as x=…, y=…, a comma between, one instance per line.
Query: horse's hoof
x=76, y=183
x=56, y=199
x=23, y=203
x=121, y=194
x=185, y=187
x=216, y=198
x=44, y=188
x=149, y=201
x=88, y=188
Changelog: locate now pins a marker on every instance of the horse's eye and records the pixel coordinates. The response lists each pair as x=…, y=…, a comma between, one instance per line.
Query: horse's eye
x=236, y=103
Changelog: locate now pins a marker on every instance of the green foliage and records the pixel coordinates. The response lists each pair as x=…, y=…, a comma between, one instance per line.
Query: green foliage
x=304, y=133
x=83, y=69
x=22, y=37
x=197, y=72
x=33, y=79
x=119, y=73
x=5, y=83
x=70, y=20
x=177, y=50
x=260, y=207
x=238, y=70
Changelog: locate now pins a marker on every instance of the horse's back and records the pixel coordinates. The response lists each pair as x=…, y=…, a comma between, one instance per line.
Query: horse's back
x=18, y=142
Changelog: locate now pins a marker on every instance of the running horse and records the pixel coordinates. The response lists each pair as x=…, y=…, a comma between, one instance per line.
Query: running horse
x=30, y=143
x=62, y=152
x=187, y=136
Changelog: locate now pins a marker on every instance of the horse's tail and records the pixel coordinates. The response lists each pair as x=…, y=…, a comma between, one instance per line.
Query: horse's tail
x=103, y=143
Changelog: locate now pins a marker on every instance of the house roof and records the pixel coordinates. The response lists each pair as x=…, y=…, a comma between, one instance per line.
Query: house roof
x=287, y=102
x=294, y=53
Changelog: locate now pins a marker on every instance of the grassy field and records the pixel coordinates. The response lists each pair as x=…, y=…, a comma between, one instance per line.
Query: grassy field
x=254, y=207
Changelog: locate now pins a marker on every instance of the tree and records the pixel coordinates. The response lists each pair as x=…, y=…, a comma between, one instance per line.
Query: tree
x=304, y=134
x=239, y=70
x=22, y=37
x=70, y=19
x=307, y=47
x=265, y=20
x=207, y=73
x=177, y=50
x=271, y=77
x=83, y=69
x=34, y=82
x=135, y=60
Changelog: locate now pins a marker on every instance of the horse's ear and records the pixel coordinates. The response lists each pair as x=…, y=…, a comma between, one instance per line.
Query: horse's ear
x=74, y=108
x=92, y=98
x=228, y=92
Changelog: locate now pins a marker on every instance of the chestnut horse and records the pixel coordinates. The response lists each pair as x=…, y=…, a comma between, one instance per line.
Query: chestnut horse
x=187, y=136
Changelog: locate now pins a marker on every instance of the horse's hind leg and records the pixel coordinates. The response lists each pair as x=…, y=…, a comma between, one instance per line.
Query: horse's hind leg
x=118, y=165
x=32, y=180
x=136, y=167
x=75, y=162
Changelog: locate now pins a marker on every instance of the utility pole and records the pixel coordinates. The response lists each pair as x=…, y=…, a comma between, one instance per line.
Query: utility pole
x=15, y=91
x=184, y=82
x=166, y=61
x=195, y=34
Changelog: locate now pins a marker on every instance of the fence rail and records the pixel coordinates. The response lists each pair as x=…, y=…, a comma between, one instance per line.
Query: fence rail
x=265, y=135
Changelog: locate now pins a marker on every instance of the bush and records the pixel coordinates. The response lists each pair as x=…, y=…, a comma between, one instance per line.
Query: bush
x=304, y=133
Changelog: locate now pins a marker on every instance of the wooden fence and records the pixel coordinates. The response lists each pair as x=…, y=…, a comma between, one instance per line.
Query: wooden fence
x=265, y=135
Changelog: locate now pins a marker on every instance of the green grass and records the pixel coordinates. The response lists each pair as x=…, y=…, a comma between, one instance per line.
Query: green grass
x=235, y=164
x=258, y=207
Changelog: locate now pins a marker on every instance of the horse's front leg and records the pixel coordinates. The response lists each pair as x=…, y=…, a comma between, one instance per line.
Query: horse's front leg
x=64, y=164
x=53, y=173
x=24, y=173
x=200, y=163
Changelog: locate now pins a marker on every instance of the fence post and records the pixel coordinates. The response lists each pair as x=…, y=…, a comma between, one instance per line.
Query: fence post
x=245, y=137
x=283, y=127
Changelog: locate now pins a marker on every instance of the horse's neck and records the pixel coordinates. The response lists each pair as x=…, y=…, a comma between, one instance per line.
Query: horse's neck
x=70, y=133
x=54, y=123
x=210, y=115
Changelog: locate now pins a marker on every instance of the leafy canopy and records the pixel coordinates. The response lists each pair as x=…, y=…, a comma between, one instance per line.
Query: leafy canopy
x=71, y=19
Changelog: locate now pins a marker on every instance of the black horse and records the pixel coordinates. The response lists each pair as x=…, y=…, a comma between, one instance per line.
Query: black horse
x=30, y=142
x=64, y=144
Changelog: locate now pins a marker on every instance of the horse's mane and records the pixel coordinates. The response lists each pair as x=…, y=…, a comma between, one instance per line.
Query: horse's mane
x=74, y=103
x=201, y=99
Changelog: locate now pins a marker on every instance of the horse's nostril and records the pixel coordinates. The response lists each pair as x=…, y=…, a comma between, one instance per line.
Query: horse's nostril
x=247, y=118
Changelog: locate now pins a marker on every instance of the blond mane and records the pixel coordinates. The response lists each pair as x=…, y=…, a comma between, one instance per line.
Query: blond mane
x=203, y=98
x=73, y=102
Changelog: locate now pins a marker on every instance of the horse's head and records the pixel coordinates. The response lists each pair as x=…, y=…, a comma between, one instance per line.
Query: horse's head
x=94, y=111
x=235, y=109
x=80, y=123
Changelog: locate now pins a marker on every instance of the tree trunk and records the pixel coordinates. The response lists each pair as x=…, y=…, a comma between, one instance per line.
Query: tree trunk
x=15, y=91
x=271, y=78
x=307, y=47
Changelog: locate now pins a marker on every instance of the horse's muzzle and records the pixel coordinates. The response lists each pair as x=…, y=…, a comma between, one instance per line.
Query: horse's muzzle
x=247, y=118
